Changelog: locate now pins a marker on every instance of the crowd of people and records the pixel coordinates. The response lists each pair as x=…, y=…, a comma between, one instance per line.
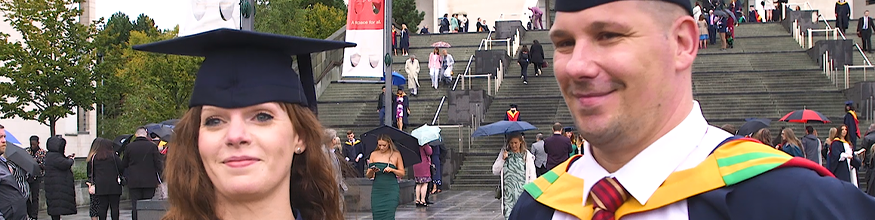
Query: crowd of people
x=107, y=169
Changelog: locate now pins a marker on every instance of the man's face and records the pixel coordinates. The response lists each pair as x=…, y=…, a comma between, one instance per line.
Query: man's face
x=2, y=141
x=350, y=136
x=866, y=13
x=34, y=144
x=616, y=72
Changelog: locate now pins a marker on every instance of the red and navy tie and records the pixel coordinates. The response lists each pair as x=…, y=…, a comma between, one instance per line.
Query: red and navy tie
x=607, y=195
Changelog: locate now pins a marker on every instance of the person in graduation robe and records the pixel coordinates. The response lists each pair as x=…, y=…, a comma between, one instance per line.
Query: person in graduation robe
x=353, y=152
x=649, y=152
x=512, y=114
x=843, y=15
x=853, y=124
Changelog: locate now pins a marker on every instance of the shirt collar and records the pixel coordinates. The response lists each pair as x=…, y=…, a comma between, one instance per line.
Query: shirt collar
x=649, y=169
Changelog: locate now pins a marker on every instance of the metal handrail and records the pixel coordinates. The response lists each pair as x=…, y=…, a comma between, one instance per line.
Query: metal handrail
x=456, y=81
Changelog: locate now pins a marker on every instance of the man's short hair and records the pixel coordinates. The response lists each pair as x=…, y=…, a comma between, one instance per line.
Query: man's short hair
x=141, y=132
x=539, y=136
x=557, y=127
x=349, y=132
x=810, y=130
x=34, y=138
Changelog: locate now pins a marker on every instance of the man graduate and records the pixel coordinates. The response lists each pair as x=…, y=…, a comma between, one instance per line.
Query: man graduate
x=512, y=114
x=650, y=154
x=353, y=152
x=843, y=15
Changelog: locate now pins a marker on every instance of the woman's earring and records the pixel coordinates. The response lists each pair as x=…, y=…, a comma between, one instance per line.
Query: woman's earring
x=299, y=151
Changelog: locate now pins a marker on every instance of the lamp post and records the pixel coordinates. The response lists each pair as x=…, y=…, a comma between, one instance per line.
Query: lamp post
x=387, y=60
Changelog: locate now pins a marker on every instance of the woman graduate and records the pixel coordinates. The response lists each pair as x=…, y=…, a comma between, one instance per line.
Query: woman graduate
x=248, y=147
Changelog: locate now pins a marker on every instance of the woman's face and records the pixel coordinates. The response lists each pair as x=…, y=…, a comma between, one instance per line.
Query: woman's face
x=382, y=145
x=247, y=152
x=514, y=144
x=844, y=132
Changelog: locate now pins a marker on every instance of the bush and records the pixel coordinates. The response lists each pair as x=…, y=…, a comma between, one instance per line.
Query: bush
x=79, y=173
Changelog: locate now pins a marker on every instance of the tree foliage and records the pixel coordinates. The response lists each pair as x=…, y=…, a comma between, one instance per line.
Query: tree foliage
x=145, y=87
x=320, y=21
x=404, y=12
x=50, y=68
x=278, y=17
x=338, y=4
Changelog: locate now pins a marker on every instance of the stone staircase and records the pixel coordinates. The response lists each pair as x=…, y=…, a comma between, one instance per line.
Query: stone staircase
x=766, y=75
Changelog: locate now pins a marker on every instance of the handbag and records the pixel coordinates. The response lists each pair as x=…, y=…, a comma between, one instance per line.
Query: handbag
x=120, y=179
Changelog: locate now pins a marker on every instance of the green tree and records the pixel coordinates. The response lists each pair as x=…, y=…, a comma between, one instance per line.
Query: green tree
x=320, y=21
x=50, y=68
x=110, y=43
x=146, y=25
x=404, y=12
x=118, y=29
x=278, y=17
x=330, y=3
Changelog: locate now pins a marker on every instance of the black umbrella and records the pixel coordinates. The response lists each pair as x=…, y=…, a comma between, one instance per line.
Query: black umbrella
x=406, y=144
x=165, y=131
x=725, y=13
x=753, y=125
x=20, y=157
x=122, y=141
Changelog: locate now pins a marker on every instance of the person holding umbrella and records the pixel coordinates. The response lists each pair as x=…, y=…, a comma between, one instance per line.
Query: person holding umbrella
x=516, y=166
x=434, y=67
x=13, y=205
x=386, y=165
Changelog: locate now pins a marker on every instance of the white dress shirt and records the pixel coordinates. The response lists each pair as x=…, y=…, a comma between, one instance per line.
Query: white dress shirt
x=684, y=147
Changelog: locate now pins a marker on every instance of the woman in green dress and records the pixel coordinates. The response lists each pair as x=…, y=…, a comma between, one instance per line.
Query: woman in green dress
x=385, y=167
x=516, y=166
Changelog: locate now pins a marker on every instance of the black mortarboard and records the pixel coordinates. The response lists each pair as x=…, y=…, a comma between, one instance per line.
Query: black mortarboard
x=578, y=5
x=244, y=68
x=568, y=129
x=849, y=103
x=513, y=105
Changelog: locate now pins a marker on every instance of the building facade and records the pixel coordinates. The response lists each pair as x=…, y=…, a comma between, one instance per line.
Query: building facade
x=78, y=129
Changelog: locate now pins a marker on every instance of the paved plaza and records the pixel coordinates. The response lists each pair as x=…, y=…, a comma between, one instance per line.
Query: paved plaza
x=448, y=205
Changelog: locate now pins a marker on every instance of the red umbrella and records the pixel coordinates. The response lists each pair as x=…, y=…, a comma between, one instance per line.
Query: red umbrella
x=804, y=116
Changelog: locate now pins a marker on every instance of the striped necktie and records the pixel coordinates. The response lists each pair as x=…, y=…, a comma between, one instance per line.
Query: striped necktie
x=607, y=195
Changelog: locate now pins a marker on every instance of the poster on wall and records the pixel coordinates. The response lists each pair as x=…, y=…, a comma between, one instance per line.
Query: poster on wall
x=364, y=26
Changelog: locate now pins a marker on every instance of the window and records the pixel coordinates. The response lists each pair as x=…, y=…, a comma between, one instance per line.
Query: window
x=82, y=126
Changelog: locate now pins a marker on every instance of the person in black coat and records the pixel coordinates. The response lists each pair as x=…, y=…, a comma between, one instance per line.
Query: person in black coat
x=104, y=168
x=142, y=166
x=536, y=56
x=59, y=188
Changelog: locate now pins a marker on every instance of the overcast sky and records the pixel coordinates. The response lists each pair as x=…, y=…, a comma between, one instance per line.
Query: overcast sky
x=167, y=13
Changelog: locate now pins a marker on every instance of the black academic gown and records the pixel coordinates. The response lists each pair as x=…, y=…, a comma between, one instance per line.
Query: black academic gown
x=352, y=150
x=791, y=193
x=843, y=15
x=838, y=168
x=852, y=129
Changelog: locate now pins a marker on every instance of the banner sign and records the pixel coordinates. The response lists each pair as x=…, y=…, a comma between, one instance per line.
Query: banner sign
x=364, y=26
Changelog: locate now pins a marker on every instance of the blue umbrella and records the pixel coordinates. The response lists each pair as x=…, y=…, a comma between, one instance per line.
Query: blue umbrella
x=10, y=138
x=397, y=79
x=503, y=127
x=426, y=134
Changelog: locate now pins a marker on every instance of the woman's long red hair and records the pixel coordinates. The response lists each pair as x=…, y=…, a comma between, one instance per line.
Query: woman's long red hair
x=314, y=190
